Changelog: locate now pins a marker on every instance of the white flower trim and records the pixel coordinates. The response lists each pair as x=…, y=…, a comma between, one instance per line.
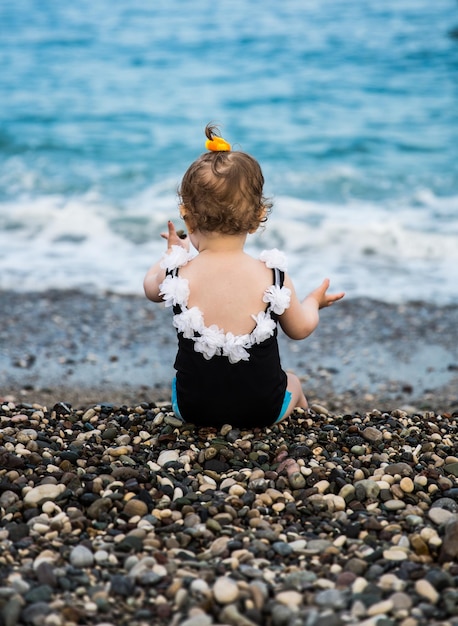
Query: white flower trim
x=279, y=298
x=177, y=257
x=265, y=327
x=211, y=341
x=235, y=347
x=274, y=259
x=189, y=322
x=174, y=290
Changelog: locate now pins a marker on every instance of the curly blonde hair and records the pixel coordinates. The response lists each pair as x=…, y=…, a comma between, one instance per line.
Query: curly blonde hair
x=223, y=192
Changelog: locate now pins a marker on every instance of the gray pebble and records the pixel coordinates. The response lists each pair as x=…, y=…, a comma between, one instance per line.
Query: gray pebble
x=11, y=610
x=332, y=598
x=445, y=503
x=282, y=548
x=35, y=614
x=281, y=615
x=81, y=557
x=42, y=593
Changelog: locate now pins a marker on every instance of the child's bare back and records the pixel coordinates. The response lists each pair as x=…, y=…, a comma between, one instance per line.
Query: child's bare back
x=228, y=288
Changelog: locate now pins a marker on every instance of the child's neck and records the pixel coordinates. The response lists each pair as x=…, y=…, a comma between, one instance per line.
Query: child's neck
x=220, y=243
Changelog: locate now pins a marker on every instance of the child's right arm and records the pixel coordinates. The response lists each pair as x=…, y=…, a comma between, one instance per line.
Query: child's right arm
x=301, y=318
x=156, y=274
x=154, y=277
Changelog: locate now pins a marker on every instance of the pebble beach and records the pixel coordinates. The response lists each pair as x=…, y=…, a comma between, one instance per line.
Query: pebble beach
x=123, y=515
x=112, y=512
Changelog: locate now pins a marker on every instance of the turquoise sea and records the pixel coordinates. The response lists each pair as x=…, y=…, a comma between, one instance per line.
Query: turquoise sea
x=351, y=108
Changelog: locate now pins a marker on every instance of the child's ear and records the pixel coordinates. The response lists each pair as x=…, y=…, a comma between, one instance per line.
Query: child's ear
x=262, y=218
x=188, y=219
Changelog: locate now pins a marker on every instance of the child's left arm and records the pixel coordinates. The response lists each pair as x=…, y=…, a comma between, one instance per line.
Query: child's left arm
x=301, y=318
x=156, y=274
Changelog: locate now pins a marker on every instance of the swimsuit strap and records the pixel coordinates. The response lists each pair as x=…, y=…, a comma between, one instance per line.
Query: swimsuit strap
x=279, y=276
x=176, y=308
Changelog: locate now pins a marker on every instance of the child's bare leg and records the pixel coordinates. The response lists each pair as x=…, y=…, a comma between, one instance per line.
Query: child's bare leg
x=295, y=387
x=298, y=398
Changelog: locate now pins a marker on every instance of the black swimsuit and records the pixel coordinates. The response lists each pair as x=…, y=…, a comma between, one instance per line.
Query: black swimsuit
x=212, y=390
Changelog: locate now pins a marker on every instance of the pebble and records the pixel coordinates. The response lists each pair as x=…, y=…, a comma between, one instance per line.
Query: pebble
x=225, y=590
x=167, y=456
x=440, y=516
x=81, y=557
x=289, y=598
x=199, y=587
x=407, y=484
x=231, y=615
x=324, y=519
x=425, y=589
x=332, y=598
x=380, y=608
x=369, y=489
x=135, y=507
x=394, y=505
x=394, y=554
x=259, y=593
x=42, y=493
x=198, y=620
x=372, y=434
x=452, y=468
x=449, y=548
x=401, y=601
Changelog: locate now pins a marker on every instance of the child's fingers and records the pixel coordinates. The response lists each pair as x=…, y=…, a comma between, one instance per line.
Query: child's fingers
x=324, y=287
x=171, y=233
x=326, y=299
x=175, y=237
x=331, y=298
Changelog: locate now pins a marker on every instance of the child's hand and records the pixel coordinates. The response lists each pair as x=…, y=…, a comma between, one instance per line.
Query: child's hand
x=325, y=299
x=174, y=239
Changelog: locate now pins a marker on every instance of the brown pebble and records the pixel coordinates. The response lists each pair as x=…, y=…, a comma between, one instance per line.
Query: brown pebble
x=135, y=507
x=407, y=484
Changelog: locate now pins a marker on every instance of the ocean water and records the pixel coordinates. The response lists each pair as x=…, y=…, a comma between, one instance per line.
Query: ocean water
x=350, y=107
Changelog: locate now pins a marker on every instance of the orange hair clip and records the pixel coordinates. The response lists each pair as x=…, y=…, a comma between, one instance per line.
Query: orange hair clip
x=218, y=144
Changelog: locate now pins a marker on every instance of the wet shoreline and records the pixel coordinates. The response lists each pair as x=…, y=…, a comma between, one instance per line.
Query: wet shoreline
x=68, y=345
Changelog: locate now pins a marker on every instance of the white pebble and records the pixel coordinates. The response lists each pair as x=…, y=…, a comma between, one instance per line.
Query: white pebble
x=289, y=598
x=393, y=554
x=199, y=587
x=167, y=456
x=40, y=494
x=359, y=584
x=225, y=590
x=425, y=589
x=101, y=556
x=380, y=608
x=439, y=516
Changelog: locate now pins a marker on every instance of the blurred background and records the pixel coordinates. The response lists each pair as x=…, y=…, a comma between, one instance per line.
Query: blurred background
x=350, y=107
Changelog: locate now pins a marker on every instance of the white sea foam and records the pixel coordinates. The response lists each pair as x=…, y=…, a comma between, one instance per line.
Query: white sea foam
x=406, y=252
